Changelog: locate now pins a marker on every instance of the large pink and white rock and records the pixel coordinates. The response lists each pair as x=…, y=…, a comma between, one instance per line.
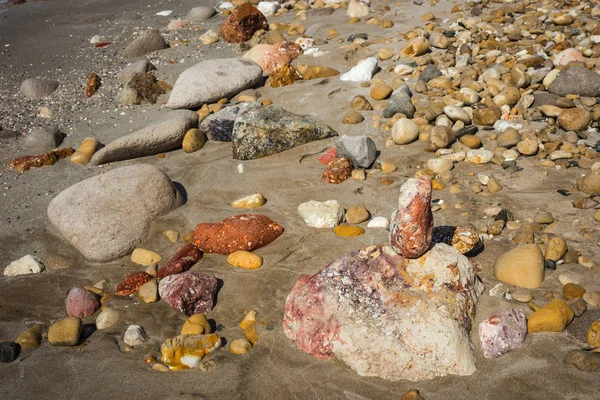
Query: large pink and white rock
x=412, y=224
x=191, y=292
x=388, y=316
x=502, y=332
x=272, y=57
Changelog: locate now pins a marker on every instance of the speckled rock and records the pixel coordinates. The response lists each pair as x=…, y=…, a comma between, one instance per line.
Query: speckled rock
x=82, y=303
x=576, y=80
x=502, y=332
x=241, y=25
x=219, y=126
x=191, y=292
x=182, y=261
x=35, y=88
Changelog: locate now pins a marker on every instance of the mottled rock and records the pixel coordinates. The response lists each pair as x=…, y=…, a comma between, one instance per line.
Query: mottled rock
x=82, y=303
x=241, y=25
x=273, y=57
x=583, y=360
x=135, y=67
x=187, y=351
x=134, y=335
x=147, y=42
x=35, y=88
x=26, y=163
x=576, y=80
x=486, y=116
x=338, y=170
x=263, y=131
x=219, y=126
x=191, y=292
x=502, y=332
x=400, y=103
x=132, y=282
x=241, y=232
x=182, y=261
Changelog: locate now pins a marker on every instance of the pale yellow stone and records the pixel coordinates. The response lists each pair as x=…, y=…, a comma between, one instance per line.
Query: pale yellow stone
x=197, y=324
x=145, y=256
x=245, y=259
x=252, y=201
x=86, y=150
x=172, y=235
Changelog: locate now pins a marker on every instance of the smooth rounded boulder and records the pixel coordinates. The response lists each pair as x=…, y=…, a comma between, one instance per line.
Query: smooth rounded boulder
x=522, y=266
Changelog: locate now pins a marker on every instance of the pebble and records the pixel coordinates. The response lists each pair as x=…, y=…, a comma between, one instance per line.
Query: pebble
x=197, y=324
x=528, y=147
x=353, y=117
x=193, y=140
x=363, y=71
x=348, y=230
x=172, y=235
x=9, y=351
x=556, y=249
x=66, y=332
x=378, y=222
x=81, y=302
x=249, y=202
x=148, y=292
x=108, y=318
x=592, y=299
x=554, y=317
x=30, y=338
x=24, y=266
x=479, y=156
x=134, y=335
x=404, y=131
x=145, y=257
x=522, y=266
x=572, y=290
x=240, y=346
x=388, y=168
x=245, y=259
x=381, y=92
x=522, y=296
x=357, y=214
x=327, y=214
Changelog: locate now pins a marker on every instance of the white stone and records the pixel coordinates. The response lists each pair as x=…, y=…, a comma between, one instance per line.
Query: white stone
x=268, y=8
x=240, y=168
x=97, y=39
x=327, y=214
x=567, y=278
x=165, y=13
x=405, y=131
x=24, y=266
x=500, y=290
x=403, y=69
x=479, y=156
x=305, y=43
x=378, y=222
x=134, y=335
x=483, y=179
x=225, y=6
x=357, y=9
x=108, y=318
x=439, y=165
x=458, y=156
x=457, y=114
x=502, y=125
x=363, y=71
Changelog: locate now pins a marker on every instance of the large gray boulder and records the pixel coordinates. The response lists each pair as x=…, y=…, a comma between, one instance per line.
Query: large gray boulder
x=263, y=131
x=576, y=80
x=211, y=80
x=35, y=88
x=105, y=217
x=163, y=135
x=147, y=42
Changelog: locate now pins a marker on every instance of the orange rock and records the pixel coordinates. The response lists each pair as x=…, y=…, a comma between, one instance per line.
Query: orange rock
x=348, y=230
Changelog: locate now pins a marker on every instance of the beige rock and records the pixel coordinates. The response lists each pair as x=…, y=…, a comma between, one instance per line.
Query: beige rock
x=440, y=137
x=494, y=186
x=528, y=147
x=172, y=235
x=556, y=249
x=248, y=202
x=357, y=214
x=405, y=131
x=30, y=338
x=66, y=332
x=145, y=256
x=352, y=117
x=197, y=324
x=148, y=292
x=522, y=266
x=245, y=259
x=574, y=119
x=108, y=318
x=381, y=92
x=86, y=150
x=193, y=140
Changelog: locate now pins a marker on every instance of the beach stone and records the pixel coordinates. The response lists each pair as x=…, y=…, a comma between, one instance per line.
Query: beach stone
x=132, y=282
x=41, y=140
x=248, y=202
x=556, y=249
x=105, y=218
x=360, y=103
x=439, y=165
x=471, y=141
x=187, y=351
x=197, y=324
x=494, y=186
x=353, y=117
x=30, y=338
x=200, y=14
x=268, y=8
x=241, y=24
x=284, y=76
x=209, y=37
x=578, y=306
x=273, y=57
x=245, y=259
x=191, y=292
x=357, y=214
x=134, y=335
x=333, y=313
x=263, y=131
x=144, y=256
x=553, y=317
x=241, y=232
x=363, y=71
x=219, y=126
x=479, y=156
x=211, y=80
x=528, y=147
x=457, y=114
x=9, y=351
x=400, y=103
x=576, y=80
x=326, y=214
x=593, y=334
x=193, y=140
x=381, y=92
x=405, y=131
x=316, y=72
x=441, y=137
x=148, y=42
x=574, y=119
x=361, y=150
x=164, y=134
x=357, y=9
x=378, y=222
x=36, y=88
x=486, y=116
x=502, y=332
x=431, y=71
x=135, y=67
x=81, y=302
x=148, y=292
x=108, y=318
x=589, y=183
x=348, y=230
x=522, y=296
x=411, y=227
x=183, y=260
x=544, y=218
x=572, y=291
x=592, y=299
x=65, y=332
x=583, y=360
x=24, y=266
x=522, y=266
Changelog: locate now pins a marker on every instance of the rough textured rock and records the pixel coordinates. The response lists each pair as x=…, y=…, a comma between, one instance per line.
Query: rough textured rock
x=163, y=135
x=132, y=282
x=502, y=332
x=143, y=87
x=219, y=126
x=430, y=72
x=241, y=232
x=273, y=57
x=371, y=308
x=82, y=303
x=23, y=266
x=241, y=25
x=583, y=360
x=284, y=76
x=182, y=261
x=338, y=170
x=26, y=163
x=147, y=42
x=134, y=335
x=187, y=351
x=105, y=217
x=326, y=214
x=35, y=88
x=263, y=131
x=190, y=292
x=400, y=103
x=361, y=150
x=211, y=80
x=462, y=238
x=576, y=80
x=411, y=228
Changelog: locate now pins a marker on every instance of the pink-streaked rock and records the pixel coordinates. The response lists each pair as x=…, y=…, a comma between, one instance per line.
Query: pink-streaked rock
x=182, y=261
x=81, y=302
x=502, y=332
x=273, y=57
x=191, y=292
x=412, y=224
x=566, y=56
x=388, y=316
x=328, y=156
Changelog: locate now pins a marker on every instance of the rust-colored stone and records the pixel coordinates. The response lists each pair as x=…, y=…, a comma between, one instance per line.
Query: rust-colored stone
x=281, y=55
x=25, y=163
x=241, y=25
x=183, y=260
x=132, y=282
x=411, y=230
x=284, y=76
x=92, y=85
x=241, y=232
x=338, y=170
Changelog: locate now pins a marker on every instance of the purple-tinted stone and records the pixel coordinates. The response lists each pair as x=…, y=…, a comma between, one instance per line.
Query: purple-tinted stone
x=502, y=332
x=190, y=292
x=81, y=302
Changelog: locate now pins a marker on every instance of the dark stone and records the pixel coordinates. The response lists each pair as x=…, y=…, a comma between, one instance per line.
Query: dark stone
x=81, y=302
x=576, y=80
x=355, y=36
x=467, y=130
x=241, y=25
x=504, y=215
x=219, y=126
x=430, y=72
x=549, y=264
x=544, y=98
x=9, y=351
x=263, y=131
x=564, y=192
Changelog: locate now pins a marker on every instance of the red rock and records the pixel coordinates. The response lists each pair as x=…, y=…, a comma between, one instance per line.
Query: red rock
x=327, y=157
x=92, y=85
x=241, y=232
x=183, y=260
x=132, y=282
x=280, y=55
x=241, y=25
x=81, y=302
x=411, y=228
x=191, y=292
x=25, y=163
x=338, y=170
